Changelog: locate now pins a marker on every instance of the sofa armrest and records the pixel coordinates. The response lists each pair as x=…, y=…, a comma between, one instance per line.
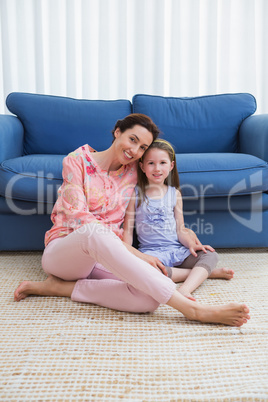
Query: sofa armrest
x=253, y=136
x=11, y=137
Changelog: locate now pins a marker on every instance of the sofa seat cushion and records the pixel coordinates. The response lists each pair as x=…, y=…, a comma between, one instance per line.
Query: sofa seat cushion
x=18, y=207
x=58, y=125
x=199, y=124
x=254, y=202
x=34, y=178
x=221, y=174
x=257, y=202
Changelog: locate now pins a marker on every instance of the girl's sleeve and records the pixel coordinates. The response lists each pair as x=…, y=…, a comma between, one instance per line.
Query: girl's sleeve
x=72, y=206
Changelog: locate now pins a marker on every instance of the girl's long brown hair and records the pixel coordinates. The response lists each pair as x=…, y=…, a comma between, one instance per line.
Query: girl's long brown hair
x=173, y=177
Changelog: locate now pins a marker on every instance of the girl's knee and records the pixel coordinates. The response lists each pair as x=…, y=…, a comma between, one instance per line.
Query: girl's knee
x=212, y=260
x=208, y=260
x=214, y=257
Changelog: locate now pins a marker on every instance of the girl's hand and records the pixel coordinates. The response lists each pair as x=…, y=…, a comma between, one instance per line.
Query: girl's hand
x=155, y=262
x=190, y=240
x=199, y=247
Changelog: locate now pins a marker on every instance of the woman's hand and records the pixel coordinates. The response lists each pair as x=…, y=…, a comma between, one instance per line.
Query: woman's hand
x=155, y=262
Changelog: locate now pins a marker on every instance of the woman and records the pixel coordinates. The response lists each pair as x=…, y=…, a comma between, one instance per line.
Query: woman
x=85, y=258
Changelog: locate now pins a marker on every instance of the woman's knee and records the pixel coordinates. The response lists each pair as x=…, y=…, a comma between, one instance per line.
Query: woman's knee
x=95, y=237
x=64, y=258
x=143, y=303
x=149, y=306
x=96, y=230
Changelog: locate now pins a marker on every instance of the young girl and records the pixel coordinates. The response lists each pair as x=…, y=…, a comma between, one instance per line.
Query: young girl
x=157, y=207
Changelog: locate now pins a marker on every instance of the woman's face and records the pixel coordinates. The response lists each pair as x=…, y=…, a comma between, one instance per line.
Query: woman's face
x=132, y=143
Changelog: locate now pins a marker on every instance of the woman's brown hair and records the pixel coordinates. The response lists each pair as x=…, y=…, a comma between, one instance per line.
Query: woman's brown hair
x=137, y=119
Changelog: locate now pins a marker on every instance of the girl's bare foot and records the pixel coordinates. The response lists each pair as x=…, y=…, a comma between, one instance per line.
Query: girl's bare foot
x=233, y=314
x=52, y=286
x=222, y=273
x=186, y=294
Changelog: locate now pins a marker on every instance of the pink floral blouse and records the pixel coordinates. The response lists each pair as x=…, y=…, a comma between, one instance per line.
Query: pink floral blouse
x=89, y=194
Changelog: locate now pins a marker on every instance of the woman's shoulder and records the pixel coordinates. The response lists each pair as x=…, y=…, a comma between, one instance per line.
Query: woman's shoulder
x=79, y=154
x=81, y=151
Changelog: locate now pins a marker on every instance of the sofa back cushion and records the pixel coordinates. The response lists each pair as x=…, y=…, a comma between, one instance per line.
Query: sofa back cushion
x=58, y=125
x=201, y=124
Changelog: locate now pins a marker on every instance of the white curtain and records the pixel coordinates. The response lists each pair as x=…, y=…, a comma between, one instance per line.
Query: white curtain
x=109, y=49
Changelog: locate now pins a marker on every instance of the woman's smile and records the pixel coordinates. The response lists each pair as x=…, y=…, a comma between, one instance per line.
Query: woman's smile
x=127, y=155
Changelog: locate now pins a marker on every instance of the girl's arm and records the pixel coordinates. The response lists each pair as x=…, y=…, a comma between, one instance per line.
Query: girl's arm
x=182, y=233
x=186, y=236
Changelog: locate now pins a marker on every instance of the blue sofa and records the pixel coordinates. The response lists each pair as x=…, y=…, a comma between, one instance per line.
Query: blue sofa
x=221, y=150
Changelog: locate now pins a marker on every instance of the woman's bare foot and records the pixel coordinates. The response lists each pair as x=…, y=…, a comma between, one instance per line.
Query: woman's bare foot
x=52, y=286
x=222, y=273
x=233, y=314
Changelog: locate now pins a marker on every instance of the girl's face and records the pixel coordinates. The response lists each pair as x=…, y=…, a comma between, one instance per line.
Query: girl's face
x=156, y=165
x=131, y=144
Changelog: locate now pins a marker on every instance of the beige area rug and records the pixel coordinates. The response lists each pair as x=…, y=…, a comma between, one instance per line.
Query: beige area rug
x=53, y=349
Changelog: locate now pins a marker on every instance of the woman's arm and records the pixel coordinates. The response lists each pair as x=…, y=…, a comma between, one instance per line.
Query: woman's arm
x=129, y=221
x=154, y=261
x=186, y=236
x=71, y=209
